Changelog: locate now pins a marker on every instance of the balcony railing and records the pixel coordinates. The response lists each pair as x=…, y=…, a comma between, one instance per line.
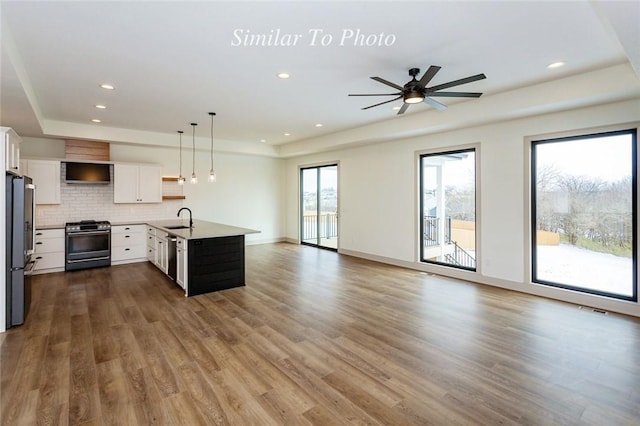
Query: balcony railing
x=432, y=230
x=328, y=226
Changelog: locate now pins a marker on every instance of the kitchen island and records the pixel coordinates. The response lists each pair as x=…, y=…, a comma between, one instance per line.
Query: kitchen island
x=204, y=258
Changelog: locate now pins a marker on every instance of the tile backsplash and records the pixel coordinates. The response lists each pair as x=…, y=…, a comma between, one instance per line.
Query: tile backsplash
x=87, y=202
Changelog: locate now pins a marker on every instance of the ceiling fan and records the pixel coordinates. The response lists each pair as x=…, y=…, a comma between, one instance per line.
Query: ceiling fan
x=416, y=91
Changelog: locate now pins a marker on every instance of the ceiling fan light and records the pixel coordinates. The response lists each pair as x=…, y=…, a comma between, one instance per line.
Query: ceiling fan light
x=413, y=98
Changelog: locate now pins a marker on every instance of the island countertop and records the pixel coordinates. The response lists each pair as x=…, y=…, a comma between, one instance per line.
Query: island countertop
x=201, y=229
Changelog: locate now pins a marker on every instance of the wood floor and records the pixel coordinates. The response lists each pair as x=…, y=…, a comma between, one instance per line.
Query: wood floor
x=314, y=338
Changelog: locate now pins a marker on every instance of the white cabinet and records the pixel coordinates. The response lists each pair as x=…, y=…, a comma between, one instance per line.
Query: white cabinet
x=162, y=251
x=46, y=177
x=11, y=150
x=128, y=244
x=49, y=250
x=181, y=262
x=137, y=183
x=151, y=244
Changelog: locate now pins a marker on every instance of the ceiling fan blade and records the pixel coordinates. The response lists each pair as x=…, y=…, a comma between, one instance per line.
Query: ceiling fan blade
x=403, y=108
x=426, y=78
x=456, y=83
x=388, y=83
x=457, y=94
x=382, y=103
x=437, y=105
x=374, y=94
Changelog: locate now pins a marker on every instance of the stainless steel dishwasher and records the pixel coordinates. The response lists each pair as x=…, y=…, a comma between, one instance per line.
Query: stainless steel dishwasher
x=171, y=257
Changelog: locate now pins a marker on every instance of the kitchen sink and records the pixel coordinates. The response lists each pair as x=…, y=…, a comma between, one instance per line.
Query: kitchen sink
x=177, y=227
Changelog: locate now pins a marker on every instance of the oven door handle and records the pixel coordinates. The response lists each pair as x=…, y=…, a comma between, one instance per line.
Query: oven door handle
x=88, y=233
x=88, y=260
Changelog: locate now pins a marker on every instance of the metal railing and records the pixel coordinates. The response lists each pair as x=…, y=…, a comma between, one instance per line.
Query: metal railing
x=431, y=229
x=328, y=226
x=460, y=257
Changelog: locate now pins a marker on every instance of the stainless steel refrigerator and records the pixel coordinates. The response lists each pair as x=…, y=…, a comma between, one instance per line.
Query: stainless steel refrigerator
x=20, y=214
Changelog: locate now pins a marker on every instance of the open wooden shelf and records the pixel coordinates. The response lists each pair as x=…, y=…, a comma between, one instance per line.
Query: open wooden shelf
x=172, y=197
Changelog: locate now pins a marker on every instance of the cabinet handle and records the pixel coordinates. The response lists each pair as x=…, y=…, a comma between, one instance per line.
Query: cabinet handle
x=127, y=228
x=126, y=236
x=39, y=257
x=39, y=242
x=126, y=249
x=38, y=233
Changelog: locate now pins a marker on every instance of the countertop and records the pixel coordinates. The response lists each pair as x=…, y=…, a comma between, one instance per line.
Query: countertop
x=201, y=229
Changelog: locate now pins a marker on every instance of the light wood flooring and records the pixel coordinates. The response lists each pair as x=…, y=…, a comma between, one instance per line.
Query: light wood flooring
x=314, y=338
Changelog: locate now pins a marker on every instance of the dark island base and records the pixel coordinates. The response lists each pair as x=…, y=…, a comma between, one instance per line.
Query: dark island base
x=215, y=264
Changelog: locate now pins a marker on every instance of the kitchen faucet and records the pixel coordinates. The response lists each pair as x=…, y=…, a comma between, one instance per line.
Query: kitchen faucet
x=190, y=215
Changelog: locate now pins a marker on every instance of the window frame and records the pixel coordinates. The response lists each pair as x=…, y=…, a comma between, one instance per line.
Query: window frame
x=583, y=135
x=475, y=148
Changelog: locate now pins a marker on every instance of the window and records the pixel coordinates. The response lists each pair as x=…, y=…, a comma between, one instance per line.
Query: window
x=583, y=200
x=448, y=208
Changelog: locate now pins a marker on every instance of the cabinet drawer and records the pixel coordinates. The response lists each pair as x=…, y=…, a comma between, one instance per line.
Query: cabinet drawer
x=49, y=245
x=128, y=229
x=130, y=239
x=49, y=233
x=49, y=260
x=127, y=252
x=151, y=241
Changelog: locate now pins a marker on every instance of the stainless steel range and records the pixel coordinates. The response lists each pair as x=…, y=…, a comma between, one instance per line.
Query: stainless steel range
x=88, y=244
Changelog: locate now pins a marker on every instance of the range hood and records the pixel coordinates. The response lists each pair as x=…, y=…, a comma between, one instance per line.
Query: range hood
x=87, y=173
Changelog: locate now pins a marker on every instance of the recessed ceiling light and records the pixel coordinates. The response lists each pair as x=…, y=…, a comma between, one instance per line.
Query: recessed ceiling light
x=555, y=65
x=283, y=75
x=263, y=140
x=287, y=134
x=101, y=106
x=107, y=86
x=95, y=120
x=319, y=125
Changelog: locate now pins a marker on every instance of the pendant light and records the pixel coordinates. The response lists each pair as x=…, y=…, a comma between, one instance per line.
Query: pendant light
x=212, y=173
x=180, y=178
x=194, y=178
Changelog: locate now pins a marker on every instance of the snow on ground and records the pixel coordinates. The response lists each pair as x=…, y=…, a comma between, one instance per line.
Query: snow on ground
x=579, y=267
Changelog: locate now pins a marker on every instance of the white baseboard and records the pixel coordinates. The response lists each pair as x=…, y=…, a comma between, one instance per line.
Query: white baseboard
x=564, y=295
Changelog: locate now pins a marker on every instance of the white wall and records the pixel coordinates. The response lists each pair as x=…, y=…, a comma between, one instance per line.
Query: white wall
x=248, y=192
x=378, y=187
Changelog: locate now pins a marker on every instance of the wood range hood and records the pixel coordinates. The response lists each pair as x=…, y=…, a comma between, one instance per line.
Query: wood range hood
x=87, y=150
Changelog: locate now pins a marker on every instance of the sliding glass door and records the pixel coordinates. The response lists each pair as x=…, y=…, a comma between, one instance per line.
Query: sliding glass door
x=319, y=206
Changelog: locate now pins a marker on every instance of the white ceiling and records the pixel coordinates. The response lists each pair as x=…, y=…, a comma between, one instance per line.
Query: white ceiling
x=172, y=62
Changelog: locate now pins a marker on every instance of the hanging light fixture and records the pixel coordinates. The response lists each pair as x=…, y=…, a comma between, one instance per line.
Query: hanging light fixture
x=194, y=178
x=212, y=173
x=180, y=178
